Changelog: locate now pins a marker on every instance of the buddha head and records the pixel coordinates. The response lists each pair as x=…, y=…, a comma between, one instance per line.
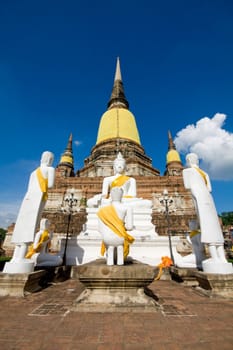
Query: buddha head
x=192, y=159
x=44, y=224
x=47, y=158
x=119, y=164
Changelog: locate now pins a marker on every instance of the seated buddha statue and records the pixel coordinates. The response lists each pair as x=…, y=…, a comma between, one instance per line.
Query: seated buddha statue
x=126, y=183
x=38, y=251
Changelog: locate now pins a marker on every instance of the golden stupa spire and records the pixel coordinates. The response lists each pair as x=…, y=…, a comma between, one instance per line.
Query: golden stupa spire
x=172, y=154
x=174, y=165
x=118, y=122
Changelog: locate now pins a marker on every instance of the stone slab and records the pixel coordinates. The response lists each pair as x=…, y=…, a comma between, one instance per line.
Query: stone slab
x=215, y=285
x=20, y=284
x=184, y=275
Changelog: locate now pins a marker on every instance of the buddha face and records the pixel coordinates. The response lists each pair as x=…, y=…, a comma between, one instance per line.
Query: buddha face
x=192, y=159
x=44, y=224
x=119, y=166
x=47, y=158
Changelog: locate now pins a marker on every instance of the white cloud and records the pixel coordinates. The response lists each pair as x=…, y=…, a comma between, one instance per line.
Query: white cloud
x=77, y=143
x=212, y=143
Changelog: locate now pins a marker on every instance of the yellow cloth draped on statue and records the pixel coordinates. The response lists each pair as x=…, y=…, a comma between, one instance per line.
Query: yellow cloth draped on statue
x=110, y=218
x=194, y=233
x=43, y=184
x=201, y=172
x=31, y=250
x=118, y=182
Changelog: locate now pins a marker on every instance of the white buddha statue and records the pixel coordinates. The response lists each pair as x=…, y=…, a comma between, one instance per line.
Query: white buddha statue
x=41, y=179
x=198, y=182
x=28, y=219
x=119, y=179
x=114, y=220
x=38, y=251
x=142, y=208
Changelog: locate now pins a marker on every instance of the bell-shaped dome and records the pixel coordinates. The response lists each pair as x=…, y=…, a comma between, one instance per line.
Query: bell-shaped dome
x=173, y=156
x=118, y=123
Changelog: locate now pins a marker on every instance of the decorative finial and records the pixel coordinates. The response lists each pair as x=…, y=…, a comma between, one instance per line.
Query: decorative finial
x=118, y=99
x=118, y=70
x=171, y=144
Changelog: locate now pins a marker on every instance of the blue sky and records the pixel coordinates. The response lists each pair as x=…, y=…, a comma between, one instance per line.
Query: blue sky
x=57, y=66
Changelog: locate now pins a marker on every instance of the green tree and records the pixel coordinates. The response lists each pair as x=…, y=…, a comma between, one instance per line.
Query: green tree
x=2, y=234
x=227, y=218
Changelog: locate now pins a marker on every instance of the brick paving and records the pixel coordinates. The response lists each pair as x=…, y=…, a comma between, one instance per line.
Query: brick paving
x=183, y=319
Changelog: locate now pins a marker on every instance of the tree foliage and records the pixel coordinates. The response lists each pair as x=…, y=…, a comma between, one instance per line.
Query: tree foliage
x=2, y=234
x=227, y=218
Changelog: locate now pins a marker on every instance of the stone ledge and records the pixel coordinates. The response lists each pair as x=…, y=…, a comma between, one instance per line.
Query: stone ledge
x=21, y=284
x=215, y=285
x=184, y=275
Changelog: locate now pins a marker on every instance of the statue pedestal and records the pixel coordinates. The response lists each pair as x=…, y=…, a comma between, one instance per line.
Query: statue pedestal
x=84, y=249
x=215, y=285
x=213, y=266
x=19, y=266
x=114, y=288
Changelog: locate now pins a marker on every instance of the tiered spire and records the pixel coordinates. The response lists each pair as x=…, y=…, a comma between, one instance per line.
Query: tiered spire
x=118, y=98
x=173, y=163
x=171, y=144
x=67, y=159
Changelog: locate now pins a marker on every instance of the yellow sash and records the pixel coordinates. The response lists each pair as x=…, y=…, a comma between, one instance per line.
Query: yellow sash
x=194, y=233
x=31, y=250
x=110, y=218
x=43, y=184
x=201, y=172
x=119, y=181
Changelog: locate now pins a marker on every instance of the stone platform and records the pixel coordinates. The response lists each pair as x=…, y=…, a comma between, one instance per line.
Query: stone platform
x=185, y=320
x=115, y=288
x=215, y=285
x=187, y=276
x=208, y=284
x=84, y=249
x=22, y=284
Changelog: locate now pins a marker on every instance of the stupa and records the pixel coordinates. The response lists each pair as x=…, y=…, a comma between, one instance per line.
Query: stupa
x=118, y=132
